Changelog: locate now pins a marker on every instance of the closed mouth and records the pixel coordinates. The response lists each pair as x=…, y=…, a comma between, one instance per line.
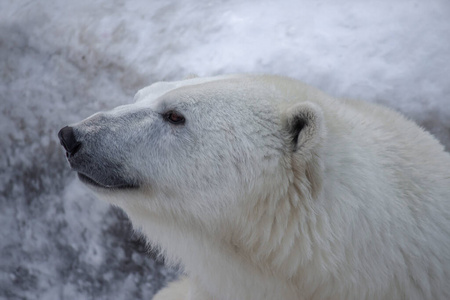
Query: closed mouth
x=92, y=182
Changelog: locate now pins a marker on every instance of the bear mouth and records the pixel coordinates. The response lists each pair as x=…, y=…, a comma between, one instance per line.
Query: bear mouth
x=118, y=185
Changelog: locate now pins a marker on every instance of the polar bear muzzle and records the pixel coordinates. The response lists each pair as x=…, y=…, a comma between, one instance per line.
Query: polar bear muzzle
x=93, y=169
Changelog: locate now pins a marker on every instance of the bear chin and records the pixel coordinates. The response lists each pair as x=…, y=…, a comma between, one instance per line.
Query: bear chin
x=93, y=183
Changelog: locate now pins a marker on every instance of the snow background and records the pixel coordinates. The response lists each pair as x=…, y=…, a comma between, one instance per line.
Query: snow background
x=61, y=61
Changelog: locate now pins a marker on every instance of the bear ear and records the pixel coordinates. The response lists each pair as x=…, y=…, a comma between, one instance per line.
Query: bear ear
x=304, y=125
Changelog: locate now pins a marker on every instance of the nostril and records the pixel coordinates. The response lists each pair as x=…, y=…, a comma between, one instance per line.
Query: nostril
x=68, y=140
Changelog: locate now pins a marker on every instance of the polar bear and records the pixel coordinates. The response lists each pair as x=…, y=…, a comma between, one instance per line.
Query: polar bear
x=264, y=188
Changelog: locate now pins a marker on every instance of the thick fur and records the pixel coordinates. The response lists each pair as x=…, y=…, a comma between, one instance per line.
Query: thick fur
x=274, y=190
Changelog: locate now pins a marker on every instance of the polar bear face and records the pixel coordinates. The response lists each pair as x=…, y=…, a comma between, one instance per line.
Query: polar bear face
x=194, y=149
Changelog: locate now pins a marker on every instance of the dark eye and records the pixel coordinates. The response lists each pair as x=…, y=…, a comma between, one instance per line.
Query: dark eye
x=174, y=117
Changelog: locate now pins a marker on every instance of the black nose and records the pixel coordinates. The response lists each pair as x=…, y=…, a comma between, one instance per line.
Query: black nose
x=68, y=140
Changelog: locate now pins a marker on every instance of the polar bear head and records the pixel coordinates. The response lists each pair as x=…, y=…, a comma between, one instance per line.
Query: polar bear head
x=265, y=188
x=198, y=149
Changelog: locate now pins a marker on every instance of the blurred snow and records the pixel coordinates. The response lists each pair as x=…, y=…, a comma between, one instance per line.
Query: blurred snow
x=61, y=61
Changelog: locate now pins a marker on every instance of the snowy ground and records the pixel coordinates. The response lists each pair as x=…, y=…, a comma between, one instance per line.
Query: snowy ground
x=61, y=61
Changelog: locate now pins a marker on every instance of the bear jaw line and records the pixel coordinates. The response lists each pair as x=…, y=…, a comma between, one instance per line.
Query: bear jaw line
x=94, y=183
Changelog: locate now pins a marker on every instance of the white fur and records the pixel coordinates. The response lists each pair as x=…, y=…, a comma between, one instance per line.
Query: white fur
x=357, y=209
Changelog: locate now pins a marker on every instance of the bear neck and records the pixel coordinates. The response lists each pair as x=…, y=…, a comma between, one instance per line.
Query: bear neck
x=282, y=230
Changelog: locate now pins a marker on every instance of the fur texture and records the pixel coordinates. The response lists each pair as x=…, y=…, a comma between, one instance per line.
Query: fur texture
x=274, y=190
